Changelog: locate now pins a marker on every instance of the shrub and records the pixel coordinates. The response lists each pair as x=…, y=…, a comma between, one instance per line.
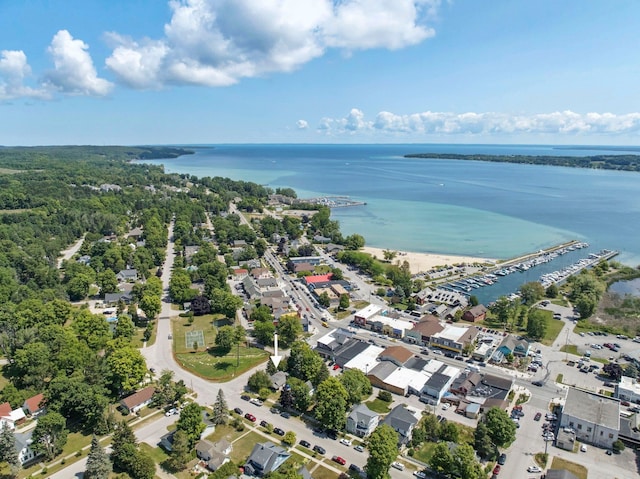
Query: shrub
x=618, y=446
x=385, y=396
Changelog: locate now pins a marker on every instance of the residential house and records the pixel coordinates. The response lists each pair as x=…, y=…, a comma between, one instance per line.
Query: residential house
x=84, y=259
x=136, y=401
x=214, y=454
x=300, y=267
x=260, y=273
x=240, y=273
x=361, y=421
x=112, y=299
x=34, y=405
x=594, y=418
x=455, y=338
x=402, y=420
x=23, y=442
x=11, y=417
x=127, y=275
x=332, y=248
x=265, y=458
x=135, y=233
x=510, y=345
x=475, y=314
x=465, y=383
x=278, y=380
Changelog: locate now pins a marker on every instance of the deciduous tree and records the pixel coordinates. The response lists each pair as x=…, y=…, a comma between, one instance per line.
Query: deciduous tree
x=191, y=422
x=50, y=434
x=356, y=384
x=500, y=427
x=383, y=449
x=331, y=404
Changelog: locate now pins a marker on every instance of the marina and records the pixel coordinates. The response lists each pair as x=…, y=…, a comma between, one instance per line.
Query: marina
x=333, y=201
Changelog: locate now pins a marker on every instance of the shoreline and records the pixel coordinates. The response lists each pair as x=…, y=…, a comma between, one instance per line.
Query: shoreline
x=422, y=262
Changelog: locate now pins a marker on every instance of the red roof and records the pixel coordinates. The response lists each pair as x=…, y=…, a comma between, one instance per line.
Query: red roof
x=5, y=409
x=240, y=271
x=33, y=403
x=319, y=278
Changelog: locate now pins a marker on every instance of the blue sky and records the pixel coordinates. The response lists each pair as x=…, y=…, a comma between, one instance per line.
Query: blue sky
x=319, y=71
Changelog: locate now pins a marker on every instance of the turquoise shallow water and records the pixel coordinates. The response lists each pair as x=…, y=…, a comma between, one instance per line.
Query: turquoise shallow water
x=495, y=210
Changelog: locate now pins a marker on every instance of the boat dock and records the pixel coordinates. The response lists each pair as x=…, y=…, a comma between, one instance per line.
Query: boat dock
x=333, y=201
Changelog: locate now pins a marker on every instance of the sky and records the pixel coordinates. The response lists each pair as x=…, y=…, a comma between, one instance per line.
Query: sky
x=133, y=72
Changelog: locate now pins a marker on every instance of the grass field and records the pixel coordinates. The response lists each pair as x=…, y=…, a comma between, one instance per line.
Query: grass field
x=244, y=445
x=425, y=451
x=553, y=329
x=378, y=405
x=570, y=348
x=577, y=469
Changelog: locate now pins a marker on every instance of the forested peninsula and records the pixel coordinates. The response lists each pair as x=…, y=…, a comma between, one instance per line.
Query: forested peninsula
x=602, y=162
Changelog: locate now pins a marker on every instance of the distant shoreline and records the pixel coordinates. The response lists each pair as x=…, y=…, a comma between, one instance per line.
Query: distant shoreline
x=598, y=162
x=422, y=262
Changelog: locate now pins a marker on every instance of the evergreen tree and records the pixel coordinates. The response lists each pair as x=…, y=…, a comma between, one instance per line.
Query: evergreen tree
x=122, y=438
x=220, y=413
x=8, y=451
x=98, y=463
x=180, y=452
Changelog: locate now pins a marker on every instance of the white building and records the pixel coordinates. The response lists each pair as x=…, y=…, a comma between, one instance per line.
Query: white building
x=594, y=418
x=628, y=389
x=362, y=316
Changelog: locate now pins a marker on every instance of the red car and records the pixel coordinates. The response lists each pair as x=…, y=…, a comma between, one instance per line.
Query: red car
x=250, y=417
x=339, y=460
x=336, y=367
x=496, y=470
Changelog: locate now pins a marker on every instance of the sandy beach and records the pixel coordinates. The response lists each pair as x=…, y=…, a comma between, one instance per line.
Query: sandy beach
x=421, y=262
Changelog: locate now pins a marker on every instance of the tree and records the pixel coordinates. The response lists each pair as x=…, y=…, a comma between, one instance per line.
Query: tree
x=383, y=449
x=449, y=432
x=98, y=463
x=225, y=339
x=431, y=427
x=123, y=440
x=286, y=398
x=127, y=368
x=531, y=292
x=324, y=299
x=630, y=371
x=301, y=394
x=482, y=443
x=50, y=434
x=108, y=282
x=503, y=310
x=180, y=452
x=78, y=287
x=289, y=328
x=8, y=452
x=150, y=304
x=344, y=301
x=124, y=328
x=304, y=363
x=180, y=288
x=264, y=332
x=473, y=300
x=224, y=302
x=536, y=323
x=441, y=460
x=613, y=370
x=500, y=427
x=191, y=423
x=258, y=380
x=617, y=446
x=220, y=414
x=551, y=291
x=200, y=305
x=356, y=384
x=354, y=242
x=141, y=465
x=289, y=438
x=465, y=464
x=331, y=404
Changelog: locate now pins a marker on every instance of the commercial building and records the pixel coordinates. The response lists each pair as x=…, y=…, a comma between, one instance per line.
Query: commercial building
x=454, y=338
x=628, y=389
x=594, y=418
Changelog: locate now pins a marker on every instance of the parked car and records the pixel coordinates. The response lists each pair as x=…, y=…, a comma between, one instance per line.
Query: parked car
x=336, y=367
x=446, y=406
x=245, y=397
x=250, y=417
x=397, y=465
x=256, y=401
x=537, y=383
x=359, y=448
x=537, y=416
x=238, y=411
x=346, y=442
x=304, y=443
x=583, y=448
x=285, y=414
x=339, y=460
x=420, y=474
x=496, y=470
x=331, y=434
x=534, y=469
x=355, y=468
x=319, y=449
x=502, y=459
x=278, y=431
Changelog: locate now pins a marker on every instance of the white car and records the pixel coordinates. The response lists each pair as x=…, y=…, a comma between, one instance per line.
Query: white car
x=420, y=475
x=534, y=469
x=397, y=465
x=256, y=401
x=346, y=442
x=446, y=406
x=583, y=448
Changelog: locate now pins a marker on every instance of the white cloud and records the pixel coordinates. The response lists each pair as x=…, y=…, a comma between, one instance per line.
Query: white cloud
x=302, y=124
x=219, y=42
x=417, y=126
x=14, y=70
x=74, y=72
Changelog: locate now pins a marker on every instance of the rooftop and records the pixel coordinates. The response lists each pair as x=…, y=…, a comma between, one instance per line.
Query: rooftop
x=593, y=408
x=452, y=333
x=364, y=358
x=368, y=311
x=398, y=353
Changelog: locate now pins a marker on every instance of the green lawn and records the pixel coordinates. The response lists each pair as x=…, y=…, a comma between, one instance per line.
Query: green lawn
x=570, y=348
x=323, y=473
x=577, y=469
x=378, y=405
x=243, y=446
x=553, y=329
x=465, y=436
x=203, y=323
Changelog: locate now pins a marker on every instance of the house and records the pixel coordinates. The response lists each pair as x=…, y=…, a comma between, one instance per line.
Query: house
x=138, y=400
x=127, y=275
x=214, y=454
x=402, y=421
x=265, y=458
x=594, y=418
x=23, y=441
x=511, y=345
x=278, y=380
x=135, y=233
x=439, y=383
x=240, y=273
x=112, y=299
x=300, y=267
x=465, y=383
x=11, y=417
x=84, y=259
x=362, y=421
x=475, y=314
x=34, y=405
x=332, y=248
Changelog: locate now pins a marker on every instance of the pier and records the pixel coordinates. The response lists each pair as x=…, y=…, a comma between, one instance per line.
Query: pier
x=333, y=201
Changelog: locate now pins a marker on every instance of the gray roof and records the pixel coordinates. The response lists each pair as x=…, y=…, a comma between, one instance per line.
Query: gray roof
x=349, y=350
x=416, y=363
x=560, y=474
x=382, y=370
x=304, y=473
x=265, y=458
x=361, y=414
x=593, y=408
x=437, y=381
x=278, y=379
x=400, y=419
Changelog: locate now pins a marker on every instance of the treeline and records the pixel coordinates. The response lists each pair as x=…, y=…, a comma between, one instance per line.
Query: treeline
x=602, y=162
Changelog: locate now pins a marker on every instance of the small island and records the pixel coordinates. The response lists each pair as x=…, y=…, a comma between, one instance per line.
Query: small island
x=602, y=162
